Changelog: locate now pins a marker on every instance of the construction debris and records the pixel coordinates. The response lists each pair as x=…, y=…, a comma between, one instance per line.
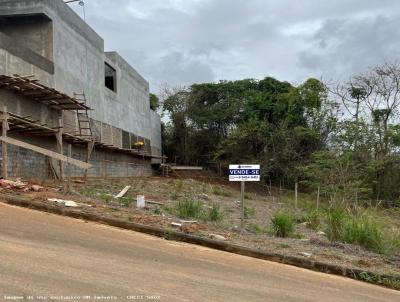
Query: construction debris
x=140, y=202
x=155, y=202
x=9, y=184
x=304, y=254
x=66, y=203
x=37, y=188
x=123, y=192
x=19, y=185
x=217, y=237
x=79, y=181
x=189, y=221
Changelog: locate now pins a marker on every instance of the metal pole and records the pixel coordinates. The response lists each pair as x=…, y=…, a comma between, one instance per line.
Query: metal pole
x=242, y=205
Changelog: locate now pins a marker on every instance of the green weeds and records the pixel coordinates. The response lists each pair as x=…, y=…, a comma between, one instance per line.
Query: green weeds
x=282, y=224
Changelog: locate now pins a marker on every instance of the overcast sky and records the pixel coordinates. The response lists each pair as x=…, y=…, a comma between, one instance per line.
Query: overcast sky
x=181, y=42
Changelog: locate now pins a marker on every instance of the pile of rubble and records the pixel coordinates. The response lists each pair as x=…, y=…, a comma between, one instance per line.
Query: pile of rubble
x=19, y=185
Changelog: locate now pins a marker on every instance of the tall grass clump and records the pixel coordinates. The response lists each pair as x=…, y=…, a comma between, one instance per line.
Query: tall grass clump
x=249, y=212
x=189, y=208
x=314, y=219
x=282, y=223
x=213, y=213
x=367, y=232
x=335, y=219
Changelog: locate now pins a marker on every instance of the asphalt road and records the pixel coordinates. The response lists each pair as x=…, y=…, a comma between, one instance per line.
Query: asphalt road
x=53, y=257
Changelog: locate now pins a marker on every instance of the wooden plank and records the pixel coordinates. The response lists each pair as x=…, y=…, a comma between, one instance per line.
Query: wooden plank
x=52, y=154
x=123, y=192
x=59, y=138
x=186, y=168
x=89, y=153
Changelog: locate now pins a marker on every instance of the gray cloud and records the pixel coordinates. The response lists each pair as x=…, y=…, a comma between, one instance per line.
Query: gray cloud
x=181, y=42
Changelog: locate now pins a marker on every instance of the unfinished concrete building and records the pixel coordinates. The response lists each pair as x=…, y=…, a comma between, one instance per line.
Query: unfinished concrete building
x=59, y=91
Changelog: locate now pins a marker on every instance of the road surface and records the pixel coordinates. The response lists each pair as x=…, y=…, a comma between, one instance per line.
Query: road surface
x=67, y=259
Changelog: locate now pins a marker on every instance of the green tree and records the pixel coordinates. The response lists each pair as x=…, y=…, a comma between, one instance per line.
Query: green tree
x=154, y=102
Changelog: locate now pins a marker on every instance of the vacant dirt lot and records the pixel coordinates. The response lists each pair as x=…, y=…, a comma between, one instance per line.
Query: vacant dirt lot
x=218, y=214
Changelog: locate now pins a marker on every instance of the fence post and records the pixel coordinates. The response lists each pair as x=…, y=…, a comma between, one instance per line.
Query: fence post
x=318, y=197
x=295, y=194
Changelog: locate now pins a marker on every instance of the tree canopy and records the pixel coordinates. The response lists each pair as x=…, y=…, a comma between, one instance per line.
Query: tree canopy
x=343, y=138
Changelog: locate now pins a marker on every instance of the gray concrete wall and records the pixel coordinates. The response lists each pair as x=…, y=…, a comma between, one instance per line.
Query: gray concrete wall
x=128, y=107
x=17, y=59
x=35, y=32
x=32, y=165
x=155, y=136
x=78, y=55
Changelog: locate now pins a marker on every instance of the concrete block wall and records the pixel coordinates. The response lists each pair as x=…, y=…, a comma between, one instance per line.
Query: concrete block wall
x=32, y=165
x=110, y=165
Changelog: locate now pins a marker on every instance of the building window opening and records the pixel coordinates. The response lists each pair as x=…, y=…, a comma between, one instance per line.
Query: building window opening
x=111, y=78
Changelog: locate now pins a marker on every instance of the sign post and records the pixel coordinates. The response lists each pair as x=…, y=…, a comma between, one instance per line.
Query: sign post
x=242, y=205
x=243, y=173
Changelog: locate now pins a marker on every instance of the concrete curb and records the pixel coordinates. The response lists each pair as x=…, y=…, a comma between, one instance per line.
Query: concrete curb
x=385, y=280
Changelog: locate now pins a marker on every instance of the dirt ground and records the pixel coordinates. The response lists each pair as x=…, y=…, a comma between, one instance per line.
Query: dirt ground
x=163, y=194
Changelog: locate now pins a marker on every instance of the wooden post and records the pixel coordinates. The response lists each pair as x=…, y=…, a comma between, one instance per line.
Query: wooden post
x=242, y=205
x=88, y=154
x=295, y=195
x=59, y=137
x=319, y=188
x=69, y=188
x=4, y=145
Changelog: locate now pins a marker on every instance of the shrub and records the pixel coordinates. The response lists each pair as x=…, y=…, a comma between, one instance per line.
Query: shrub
x=335, y=223
x=314, y=219
x=249, y=212
x=158, y=211
x=282, y=224
x=367, y=232
x=177, y=189
x=214, y=213
x=189, y=208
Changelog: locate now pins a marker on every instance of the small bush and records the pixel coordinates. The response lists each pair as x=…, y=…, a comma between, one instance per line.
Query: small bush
x=177, y=189
x=189, y=208
x=282, y=224
x=249, y=212
x=214, y=213
x=367, y=232
x=158, y=211
x=314, y=219
x=335, y=219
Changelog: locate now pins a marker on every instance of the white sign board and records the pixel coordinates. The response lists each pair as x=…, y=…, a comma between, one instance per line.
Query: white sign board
x=244, y=172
